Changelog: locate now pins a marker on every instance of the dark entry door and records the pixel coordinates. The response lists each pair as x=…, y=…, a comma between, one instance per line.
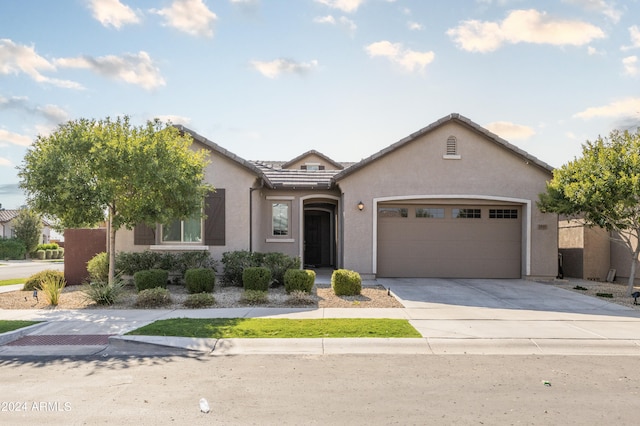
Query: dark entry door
x=317, y=238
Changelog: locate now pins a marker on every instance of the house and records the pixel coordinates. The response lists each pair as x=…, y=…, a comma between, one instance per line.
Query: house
x=450, y=200
x=7, y=227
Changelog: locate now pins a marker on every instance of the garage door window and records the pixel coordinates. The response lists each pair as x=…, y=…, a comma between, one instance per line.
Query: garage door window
x=466, y=213
x=430, y=212
x=393, y=212
x=503, y=213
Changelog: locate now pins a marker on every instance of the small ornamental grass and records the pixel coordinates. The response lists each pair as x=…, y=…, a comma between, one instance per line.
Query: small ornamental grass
x=254, y=297
x=52, y=287
x=104, y=293
x=156, y=297
x=199, y=301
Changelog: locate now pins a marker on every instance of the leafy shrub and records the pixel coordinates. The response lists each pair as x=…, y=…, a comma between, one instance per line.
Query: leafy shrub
x=299, y=280
x=98, y=267
x=60, y=253
x=299, y=297
x=48, y=246
x=346, y=283
x=40, y=254
x=199, y=300
x=104, y=293
x=48, y=253
x=12, y=248
x=279, y=264
x=256, y=278
x=254, y=297
x=52, y=286
x=153, y=298
x=151, y=278
x=235, y=262
x=34, y=282
x=200, y=280
x=129, y=263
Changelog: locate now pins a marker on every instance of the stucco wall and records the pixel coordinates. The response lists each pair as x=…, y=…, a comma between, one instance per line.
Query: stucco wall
x=419, y=169
x=621, y=262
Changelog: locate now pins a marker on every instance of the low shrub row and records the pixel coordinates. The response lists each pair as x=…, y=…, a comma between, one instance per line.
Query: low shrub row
x=128, y=263
x=235, y=263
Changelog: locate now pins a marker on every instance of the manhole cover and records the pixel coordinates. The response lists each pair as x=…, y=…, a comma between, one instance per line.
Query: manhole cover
x=62, y=340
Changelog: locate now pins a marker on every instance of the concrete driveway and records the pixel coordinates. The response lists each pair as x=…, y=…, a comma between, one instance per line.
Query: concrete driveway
x=514, y=316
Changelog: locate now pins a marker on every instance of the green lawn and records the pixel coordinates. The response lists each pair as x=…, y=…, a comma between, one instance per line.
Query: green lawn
x=9, y=325
x=228, y=328
x=12, y=281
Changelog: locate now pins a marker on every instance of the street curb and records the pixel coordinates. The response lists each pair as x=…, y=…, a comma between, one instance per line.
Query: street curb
x=11, y=336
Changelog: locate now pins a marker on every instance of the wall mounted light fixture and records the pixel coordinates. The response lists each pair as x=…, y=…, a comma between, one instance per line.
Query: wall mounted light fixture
x=360, y=206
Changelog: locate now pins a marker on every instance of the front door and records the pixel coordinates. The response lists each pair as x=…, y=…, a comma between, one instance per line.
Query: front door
x=317, y=238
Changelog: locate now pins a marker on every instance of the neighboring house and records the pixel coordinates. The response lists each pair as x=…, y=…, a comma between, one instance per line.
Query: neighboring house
x=7, y=228
x=450, y=200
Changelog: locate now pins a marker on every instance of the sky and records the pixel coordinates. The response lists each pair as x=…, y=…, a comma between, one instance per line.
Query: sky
x=272, y=79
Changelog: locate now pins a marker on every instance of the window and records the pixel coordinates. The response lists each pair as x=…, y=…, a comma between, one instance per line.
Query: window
x=437, y=213
x=393, y=212
x=312, y=166
x=465, y=213
x=183, y=231
x=280, y=218
x=503, y=213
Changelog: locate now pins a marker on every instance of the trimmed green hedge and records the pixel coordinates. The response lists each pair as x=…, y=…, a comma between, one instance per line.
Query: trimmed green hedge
x=12, y=248
x=299, y=279
x=235, y=262
x=256, y=278
x=200, y=280
x=346, y=283
x=151, y=278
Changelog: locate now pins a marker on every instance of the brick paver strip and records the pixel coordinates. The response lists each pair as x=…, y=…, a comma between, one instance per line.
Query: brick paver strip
x=62, y=339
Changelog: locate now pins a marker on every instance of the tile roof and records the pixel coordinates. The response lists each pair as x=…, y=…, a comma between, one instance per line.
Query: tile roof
x=296, y=178
x=9, y=215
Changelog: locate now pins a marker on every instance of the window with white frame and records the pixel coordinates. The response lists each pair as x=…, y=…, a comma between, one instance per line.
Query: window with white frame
x=280, y=218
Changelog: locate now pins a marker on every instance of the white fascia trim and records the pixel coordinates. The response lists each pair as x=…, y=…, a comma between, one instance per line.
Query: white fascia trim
x=178, y=247
x=523, y=201
x=301, y=218
x=280, y=240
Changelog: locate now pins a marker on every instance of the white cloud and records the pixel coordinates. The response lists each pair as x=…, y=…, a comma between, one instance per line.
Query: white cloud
x=622, y=108
x=136, y=69
x=346, y=6
x=52, y=113
x=5, y=163
x=343, y=21
x=630, y=64
x=190, y=16
x=273, y=69
x=523, y=26
x=15, y=138
x=600, y=6
x=510, y=131
x=415, y=26
x=112, y=12
x=397, y=54
x=174, y=119
x=634, y=34
x=20, y=59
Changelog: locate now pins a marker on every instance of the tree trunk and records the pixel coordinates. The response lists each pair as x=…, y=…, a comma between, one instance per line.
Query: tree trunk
x=112, y=248
x=632, y=273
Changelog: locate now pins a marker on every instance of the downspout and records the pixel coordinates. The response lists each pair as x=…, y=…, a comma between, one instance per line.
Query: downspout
x=251, y=214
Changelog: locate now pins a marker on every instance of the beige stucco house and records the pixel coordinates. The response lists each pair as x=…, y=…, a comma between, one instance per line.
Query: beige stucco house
x=450, y=200
x=8, y=230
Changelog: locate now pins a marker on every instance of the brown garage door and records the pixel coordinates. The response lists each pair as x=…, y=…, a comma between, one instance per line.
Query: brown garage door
x=449, y=241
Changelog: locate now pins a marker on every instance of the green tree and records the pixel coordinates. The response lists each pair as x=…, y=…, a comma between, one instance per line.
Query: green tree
x=89, y=171
x=28, y=226
x=603, y=188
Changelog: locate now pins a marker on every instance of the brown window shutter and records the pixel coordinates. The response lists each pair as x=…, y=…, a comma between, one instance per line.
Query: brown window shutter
x=321, y=168
x=144, y=235
x=303, y=167
x=214, y=224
